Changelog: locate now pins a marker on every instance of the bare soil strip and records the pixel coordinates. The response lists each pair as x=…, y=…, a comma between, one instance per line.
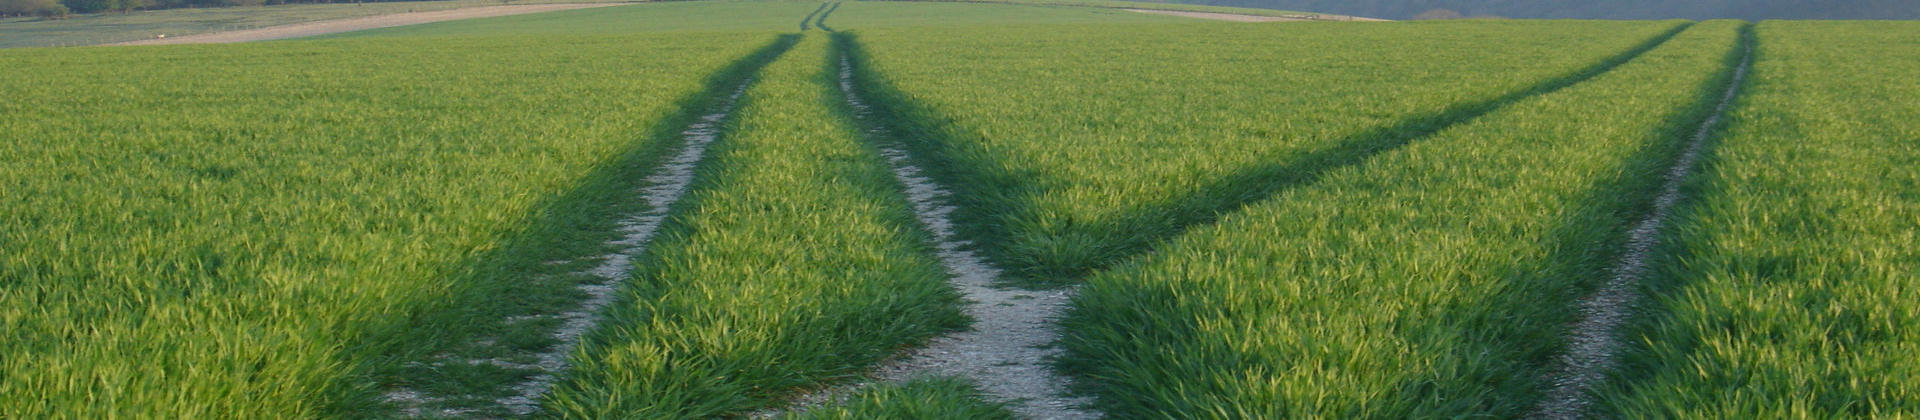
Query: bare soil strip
x=1006, y=352
x=307, y=29
x=1594, y=341
x=1231, y=17
x=661, y=191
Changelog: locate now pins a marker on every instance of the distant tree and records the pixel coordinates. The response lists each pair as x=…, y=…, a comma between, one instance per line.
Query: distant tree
x=48, y=8
x=1438, y=14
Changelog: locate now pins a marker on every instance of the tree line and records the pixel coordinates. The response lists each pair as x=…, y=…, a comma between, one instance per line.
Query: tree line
x=1589, y=9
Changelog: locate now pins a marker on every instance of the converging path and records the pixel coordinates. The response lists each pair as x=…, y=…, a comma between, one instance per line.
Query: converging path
x=324, y=27
x=1007, y=350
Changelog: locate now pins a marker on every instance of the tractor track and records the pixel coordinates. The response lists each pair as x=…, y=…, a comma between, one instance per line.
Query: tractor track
x=1594, y=342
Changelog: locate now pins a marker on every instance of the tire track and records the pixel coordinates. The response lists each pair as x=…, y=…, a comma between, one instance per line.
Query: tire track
x=821, y=22
x=806, y=22
x=1007, y=351
x=661, y=191
x=1594, y=343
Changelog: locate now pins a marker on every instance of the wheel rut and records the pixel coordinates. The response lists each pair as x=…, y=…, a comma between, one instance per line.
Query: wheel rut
x=807, y=22
x=1594, y=343
x=1007, y=351
x=826, y=10
x=660, y=190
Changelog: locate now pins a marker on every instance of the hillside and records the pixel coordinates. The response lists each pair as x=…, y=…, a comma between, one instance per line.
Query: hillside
x=1579, y=9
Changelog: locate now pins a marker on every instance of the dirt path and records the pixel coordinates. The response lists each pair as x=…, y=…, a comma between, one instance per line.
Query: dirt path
x=1006, y=352
x=661, y=191
x=324, y=27
x=1231, y=17
x=1594, y=341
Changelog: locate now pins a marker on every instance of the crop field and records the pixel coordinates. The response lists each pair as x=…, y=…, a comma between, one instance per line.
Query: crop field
x=810, y=210
x=1504, y=219
x=1068, y=173
x=238, y=229
x=1793, y=293
x=782, y=272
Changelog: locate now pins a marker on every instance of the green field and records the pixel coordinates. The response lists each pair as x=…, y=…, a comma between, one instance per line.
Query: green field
x=1275, y=220
x=1791, y=292
x=780, y=273
x=1066, y=172
x=246, y=229
x=1300, y=306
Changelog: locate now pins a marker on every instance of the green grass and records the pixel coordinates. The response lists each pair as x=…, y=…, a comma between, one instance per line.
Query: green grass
x=117, y=27
x=1074, y=147
x=795, y=261
x=919, y=398
x=1435, y=280
x=268, y=231
x=1791, y=288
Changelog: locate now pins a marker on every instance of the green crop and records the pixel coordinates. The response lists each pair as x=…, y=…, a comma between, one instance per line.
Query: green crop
x=918, y=398
x=264, y=231
x=1074, y=147
x=795, y=261
x=1791, y=289
x=1270, y=220
x=1435, y=280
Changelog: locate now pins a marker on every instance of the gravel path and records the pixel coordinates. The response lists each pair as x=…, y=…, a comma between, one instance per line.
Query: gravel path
x=661, y=191
x=1595, y=341
x=1006, y=353
x=324, y=27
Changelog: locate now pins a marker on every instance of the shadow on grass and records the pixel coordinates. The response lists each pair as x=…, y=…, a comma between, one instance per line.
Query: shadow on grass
x=822, y=20
x=516, y=278
x=807, y=22
x=1582, y=249
x=1490, y=356
x=994, y=200
x=1634, y=364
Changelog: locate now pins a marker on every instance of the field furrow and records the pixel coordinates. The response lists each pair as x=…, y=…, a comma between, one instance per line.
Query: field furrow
x=1791, y=288
x=795, y=262
x=1434, y=280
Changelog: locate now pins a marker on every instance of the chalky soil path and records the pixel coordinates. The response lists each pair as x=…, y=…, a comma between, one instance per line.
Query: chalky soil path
x=661, y=190
x=1594, y=342
x=1007, y=351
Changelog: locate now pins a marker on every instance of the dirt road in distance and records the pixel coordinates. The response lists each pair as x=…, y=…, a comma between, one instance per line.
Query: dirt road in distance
x=324, y=27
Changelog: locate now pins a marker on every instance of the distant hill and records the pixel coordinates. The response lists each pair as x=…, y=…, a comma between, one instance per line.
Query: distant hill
x=1601, y=9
